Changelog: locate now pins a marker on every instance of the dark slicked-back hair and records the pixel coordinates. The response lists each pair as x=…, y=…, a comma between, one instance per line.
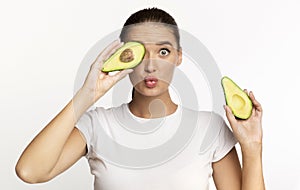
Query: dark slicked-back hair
x=152, y=15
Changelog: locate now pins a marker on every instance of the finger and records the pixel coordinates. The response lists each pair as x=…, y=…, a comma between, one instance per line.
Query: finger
x=104, y=54
x=108, y=48
x=107, y=54
x=253, y=109
x=230, y=116
x=256, y=104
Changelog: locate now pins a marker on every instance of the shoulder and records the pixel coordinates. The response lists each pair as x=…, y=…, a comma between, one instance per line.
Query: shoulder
x=204, y=118
x=100, y=111
x=96, y=117
x=210, y=128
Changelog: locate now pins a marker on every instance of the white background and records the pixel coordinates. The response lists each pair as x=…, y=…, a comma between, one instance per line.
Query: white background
x=42, y=44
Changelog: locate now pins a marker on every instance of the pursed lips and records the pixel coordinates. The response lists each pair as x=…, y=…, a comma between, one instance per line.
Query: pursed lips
x=150, y=81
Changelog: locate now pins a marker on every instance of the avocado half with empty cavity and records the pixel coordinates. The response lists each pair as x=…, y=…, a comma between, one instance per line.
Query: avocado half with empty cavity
x=236, y=99
x=128, y=56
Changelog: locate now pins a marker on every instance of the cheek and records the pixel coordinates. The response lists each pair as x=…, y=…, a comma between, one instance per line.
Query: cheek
x=166, y=72
x=167, y=67
x=135, y=77
x=170, y=61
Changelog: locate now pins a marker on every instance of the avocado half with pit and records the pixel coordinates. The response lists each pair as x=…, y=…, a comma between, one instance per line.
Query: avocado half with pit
x=128, y=56
x=236, y=99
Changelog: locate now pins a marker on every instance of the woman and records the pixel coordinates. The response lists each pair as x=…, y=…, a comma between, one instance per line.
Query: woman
x=74, y=133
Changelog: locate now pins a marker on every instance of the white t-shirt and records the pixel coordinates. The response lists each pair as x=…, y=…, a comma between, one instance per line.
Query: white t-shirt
x=126, y=152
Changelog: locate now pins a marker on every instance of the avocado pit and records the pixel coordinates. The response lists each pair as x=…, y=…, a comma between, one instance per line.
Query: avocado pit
x=127, y=55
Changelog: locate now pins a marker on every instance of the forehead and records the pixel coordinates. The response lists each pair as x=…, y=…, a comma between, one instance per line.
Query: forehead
x=150, y=33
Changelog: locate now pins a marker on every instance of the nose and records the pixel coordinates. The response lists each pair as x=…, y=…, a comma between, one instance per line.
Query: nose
x=149, y=61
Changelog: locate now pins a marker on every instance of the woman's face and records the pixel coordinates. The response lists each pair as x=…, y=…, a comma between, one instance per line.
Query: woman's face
x=153, y=76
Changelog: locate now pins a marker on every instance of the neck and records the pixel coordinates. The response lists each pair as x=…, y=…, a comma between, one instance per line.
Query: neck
x=152, y=106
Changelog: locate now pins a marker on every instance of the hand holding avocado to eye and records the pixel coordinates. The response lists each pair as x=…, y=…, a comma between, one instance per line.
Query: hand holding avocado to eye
x=97, y=82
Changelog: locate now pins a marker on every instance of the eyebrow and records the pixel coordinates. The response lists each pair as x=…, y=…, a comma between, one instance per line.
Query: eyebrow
x=158, y=43
x=164, y=43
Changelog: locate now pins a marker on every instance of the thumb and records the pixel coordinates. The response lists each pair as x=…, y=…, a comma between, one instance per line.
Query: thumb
x=230, y=116
x=120, y=75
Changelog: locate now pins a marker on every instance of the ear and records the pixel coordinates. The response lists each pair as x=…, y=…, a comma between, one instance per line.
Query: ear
x=179, y=56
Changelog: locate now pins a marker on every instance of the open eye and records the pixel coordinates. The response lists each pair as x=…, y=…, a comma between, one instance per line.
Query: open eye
x=164, y=52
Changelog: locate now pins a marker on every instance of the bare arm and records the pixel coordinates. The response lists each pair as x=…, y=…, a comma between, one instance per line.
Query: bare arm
x=229, y=176
x=59, y=145
x=53, y=144
x=227, y=172
x=249, y=134
x=252, y=169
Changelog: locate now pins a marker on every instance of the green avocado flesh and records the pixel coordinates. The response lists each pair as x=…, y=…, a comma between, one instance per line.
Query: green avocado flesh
x=236, y=99
x=126, y=57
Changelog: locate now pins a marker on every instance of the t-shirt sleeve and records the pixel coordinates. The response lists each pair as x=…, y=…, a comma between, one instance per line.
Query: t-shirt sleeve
x=86, y=127
x=224, y=142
